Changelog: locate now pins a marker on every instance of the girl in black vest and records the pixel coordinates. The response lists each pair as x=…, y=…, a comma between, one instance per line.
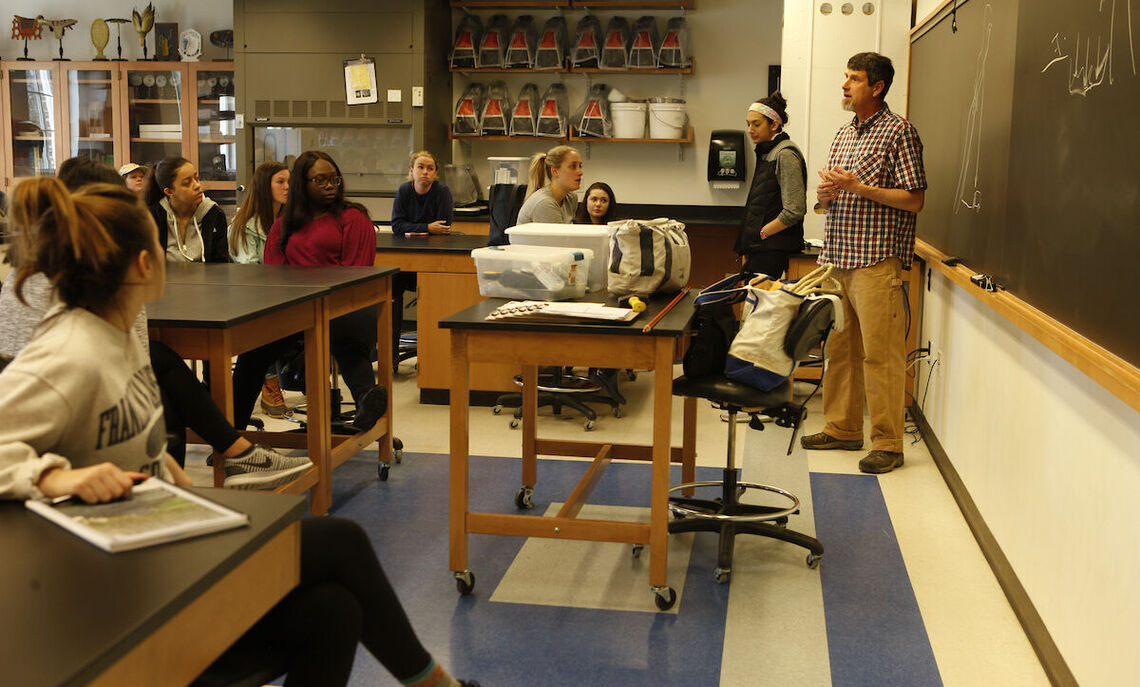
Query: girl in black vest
x=773, y=226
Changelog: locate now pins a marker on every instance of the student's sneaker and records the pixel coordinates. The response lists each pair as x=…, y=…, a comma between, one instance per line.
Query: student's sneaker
x=272, y=402
x=261, y=467
x=370, y=408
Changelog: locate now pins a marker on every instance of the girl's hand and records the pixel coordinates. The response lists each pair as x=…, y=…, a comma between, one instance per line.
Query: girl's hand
x=95, y=484
x=439, y=227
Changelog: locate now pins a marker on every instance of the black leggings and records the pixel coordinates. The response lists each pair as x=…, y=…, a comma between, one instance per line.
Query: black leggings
x=344, y=599
x=352, y=338
x=186, y=403
x=770, y=262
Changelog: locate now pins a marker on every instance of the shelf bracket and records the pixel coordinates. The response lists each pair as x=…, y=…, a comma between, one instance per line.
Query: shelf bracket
x=680, y=152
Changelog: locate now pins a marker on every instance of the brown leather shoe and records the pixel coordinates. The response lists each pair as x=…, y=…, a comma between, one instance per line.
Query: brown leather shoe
x=822, y=441
x=878, y=462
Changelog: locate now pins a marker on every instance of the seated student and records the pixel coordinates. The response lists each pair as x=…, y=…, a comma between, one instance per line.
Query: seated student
x=136, y=176
x=554, y=203
x=598, y=206
x=191, y=227
x=423, y=204
x=100, y=249
x=262, y=206
x=185, y=399
x=320, y=227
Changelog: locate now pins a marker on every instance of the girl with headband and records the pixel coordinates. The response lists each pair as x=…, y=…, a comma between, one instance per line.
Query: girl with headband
x=773, y=227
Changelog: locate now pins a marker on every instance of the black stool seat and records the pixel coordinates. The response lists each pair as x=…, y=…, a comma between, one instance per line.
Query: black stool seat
x=724, y=391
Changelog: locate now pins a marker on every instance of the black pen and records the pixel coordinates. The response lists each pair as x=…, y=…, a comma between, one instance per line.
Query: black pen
x=135, y=481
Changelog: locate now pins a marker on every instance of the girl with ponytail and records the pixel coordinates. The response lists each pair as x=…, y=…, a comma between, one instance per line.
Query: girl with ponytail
x=773, y=226
x=82, y=406
x=554, y=202
x=84, y=417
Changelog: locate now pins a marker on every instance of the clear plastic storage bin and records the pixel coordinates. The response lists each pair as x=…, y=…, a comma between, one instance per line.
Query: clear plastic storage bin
x=594, y=238
x=509, y=170
x=532, y=272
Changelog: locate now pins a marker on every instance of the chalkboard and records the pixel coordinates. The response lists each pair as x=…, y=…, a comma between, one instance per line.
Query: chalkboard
x=1028, y=112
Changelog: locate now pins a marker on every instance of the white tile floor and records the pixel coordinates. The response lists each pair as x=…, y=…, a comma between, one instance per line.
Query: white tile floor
x=973, y=634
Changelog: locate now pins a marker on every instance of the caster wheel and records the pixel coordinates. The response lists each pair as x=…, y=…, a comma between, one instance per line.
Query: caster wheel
x=632, y=375
x=590, y=425
x=665, y=598
x=721, y=575
x=514, y=423
x=397, y=450
x=523, y=499
x=465, y=582
x=813, y=560
x=637, y=550
x=617, y=411
x=497, y=410
x=382, y=472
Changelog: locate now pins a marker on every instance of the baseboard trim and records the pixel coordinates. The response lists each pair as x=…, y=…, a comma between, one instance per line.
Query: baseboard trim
x=1056, y=669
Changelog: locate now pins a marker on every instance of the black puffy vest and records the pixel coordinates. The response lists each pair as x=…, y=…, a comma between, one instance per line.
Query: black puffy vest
x=764, y=203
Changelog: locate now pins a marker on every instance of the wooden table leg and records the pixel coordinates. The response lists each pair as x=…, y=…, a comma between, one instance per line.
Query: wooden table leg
x=319, y=398
x=662, y=439
x=689, y=443
x=385, y=356
x=221, y=387
x=457, y=517
x=530, y=426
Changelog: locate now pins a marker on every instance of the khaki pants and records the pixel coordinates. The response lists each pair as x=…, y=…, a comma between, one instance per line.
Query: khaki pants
x=868, y=358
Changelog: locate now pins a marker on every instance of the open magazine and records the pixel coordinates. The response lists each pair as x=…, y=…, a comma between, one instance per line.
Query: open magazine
x=155, y=513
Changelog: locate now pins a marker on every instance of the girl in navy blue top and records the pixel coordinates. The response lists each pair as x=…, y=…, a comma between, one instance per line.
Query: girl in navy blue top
x=423, y=205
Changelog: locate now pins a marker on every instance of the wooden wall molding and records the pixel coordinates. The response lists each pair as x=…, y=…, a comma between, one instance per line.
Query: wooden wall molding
x=1115, y=374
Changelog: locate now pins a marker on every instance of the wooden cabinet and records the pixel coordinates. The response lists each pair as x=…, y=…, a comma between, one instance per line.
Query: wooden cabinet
x=119, y=112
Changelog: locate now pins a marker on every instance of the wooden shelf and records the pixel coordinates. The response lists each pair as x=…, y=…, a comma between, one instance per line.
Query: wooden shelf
x=634, y=4
x=511, y=3
x=508, y=70
x=31, y=138
x=688, y=138
x=97, y=139
x=571, y=69
x=218, y=141
x=157, y=140
x=91, y=82
x=155, y=101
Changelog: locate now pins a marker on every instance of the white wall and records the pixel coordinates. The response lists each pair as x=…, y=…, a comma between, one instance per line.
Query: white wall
x=734, y=41
x=204, y=16
x=1051, y=459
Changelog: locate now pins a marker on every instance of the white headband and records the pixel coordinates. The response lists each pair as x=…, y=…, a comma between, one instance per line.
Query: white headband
x=767, y=112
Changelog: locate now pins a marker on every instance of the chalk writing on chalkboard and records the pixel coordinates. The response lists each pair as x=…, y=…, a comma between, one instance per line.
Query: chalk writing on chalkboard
x=972, y=143
x=1088, y=69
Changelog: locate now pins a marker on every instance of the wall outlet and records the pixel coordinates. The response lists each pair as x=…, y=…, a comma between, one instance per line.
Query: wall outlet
x=417, y=96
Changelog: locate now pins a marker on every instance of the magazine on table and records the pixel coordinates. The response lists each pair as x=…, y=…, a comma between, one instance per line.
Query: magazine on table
x=156, y=512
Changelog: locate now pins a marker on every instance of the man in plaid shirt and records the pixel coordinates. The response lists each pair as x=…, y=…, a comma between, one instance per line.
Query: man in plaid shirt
x=872, y=189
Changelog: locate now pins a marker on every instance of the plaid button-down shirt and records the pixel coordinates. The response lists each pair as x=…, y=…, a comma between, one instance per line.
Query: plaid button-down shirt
x=885, y=152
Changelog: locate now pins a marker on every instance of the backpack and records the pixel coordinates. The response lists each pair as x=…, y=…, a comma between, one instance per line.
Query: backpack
x=716, y=325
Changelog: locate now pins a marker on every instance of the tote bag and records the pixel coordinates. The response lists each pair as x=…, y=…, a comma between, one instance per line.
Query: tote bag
x=757, y=356
x=647, y=256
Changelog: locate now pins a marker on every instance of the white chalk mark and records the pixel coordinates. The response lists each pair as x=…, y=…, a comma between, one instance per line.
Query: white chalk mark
x=972, y=144
x=1096, y=68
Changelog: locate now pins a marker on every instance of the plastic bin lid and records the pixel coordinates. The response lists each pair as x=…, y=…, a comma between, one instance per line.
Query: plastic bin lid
x=550, y=229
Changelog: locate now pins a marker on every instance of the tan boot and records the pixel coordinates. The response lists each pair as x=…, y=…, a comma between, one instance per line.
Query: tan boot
x=272, y=402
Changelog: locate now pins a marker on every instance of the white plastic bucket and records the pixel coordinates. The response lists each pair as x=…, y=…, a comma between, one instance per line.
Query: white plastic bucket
x=629, y=119
x=667, y=119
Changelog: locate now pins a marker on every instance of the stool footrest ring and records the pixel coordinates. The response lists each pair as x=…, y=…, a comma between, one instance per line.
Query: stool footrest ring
x=760, y=517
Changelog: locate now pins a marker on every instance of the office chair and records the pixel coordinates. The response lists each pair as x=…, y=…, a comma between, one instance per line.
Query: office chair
x=726, y=515
x=504, y=203
x=558, y=387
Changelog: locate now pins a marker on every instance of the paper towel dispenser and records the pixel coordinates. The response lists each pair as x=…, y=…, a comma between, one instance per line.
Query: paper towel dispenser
x=726, y=158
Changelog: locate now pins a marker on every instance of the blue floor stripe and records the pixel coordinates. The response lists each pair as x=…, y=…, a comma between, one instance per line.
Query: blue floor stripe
x=875, y=632
x=513, y=644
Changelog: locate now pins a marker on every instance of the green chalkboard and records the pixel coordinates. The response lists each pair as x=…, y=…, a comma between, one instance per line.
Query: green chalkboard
x=1028, y=111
